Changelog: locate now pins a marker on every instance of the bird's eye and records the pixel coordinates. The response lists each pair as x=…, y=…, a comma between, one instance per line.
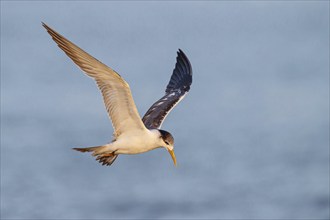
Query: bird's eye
x=166, y=143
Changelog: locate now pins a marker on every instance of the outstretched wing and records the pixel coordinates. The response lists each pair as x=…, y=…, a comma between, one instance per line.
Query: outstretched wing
x=116, y=93
x=176, y=89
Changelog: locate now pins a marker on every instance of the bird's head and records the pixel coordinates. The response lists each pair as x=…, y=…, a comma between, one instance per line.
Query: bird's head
x=167, y=142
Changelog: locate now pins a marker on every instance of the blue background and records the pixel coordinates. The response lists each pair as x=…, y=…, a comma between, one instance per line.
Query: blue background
x=251, y=138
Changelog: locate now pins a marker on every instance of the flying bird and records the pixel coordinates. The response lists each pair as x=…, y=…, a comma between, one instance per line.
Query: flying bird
x=132, y=135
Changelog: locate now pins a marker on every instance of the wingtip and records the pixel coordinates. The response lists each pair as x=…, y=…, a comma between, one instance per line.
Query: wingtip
x=180, y=51
x=46, y=27
x=181, y=55
x=44, y=24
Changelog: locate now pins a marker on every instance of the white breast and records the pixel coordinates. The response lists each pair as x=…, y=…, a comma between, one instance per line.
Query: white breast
x=139, y=141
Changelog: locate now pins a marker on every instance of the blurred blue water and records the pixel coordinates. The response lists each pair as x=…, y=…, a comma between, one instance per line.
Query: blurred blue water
x=252, y=137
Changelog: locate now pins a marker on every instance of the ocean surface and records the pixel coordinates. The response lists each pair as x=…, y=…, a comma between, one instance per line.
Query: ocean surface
x=251, y=137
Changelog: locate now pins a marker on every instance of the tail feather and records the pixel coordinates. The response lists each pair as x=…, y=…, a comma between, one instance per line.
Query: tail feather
x=108, y=159
x=101, y=153
x=87, y=149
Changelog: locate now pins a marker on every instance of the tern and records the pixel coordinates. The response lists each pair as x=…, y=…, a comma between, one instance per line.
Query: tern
x=132, y=135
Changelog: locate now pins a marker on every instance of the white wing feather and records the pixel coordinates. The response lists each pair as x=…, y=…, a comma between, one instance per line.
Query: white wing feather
x=115, y=90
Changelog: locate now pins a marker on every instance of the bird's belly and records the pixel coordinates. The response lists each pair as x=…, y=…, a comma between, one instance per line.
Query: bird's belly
x=134, y=149
x=135, y=144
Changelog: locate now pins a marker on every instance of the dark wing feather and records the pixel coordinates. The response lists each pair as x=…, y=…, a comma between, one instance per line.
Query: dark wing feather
x=176, y=89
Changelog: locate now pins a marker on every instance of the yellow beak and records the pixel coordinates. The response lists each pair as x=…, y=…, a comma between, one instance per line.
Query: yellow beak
x=173, y=156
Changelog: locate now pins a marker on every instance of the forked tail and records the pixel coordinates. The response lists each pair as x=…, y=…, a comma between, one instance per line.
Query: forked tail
x=101, y=153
